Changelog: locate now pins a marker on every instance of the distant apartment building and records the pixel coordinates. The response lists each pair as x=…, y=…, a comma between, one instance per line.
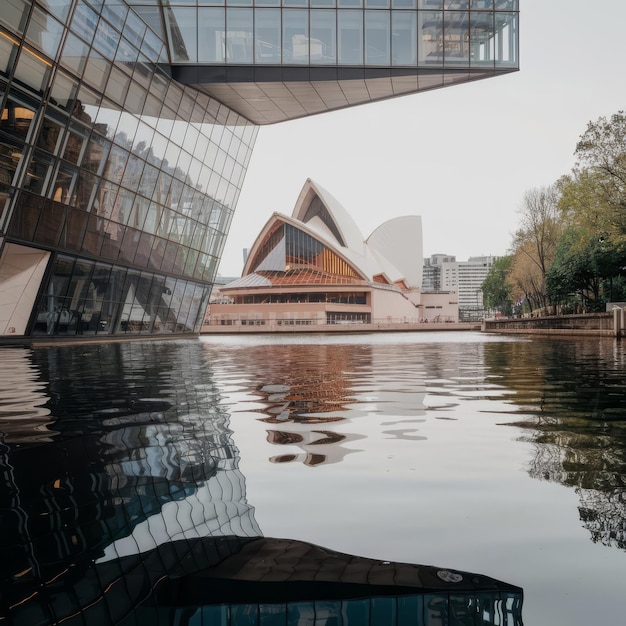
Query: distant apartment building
x=431, y=274
x=466, y=279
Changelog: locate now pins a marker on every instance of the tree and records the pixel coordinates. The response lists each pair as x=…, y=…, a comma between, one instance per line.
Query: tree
x=584, y=265
x=535, y=244
x=591, y=256
x=601, y=168
x=496, y=289
x=528, y=283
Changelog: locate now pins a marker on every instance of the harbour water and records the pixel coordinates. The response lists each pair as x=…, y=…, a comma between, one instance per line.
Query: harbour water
x=500, y=456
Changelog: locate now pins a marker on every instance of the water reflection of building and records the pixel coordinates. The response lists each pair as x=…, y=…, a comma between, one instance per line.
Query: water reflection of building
x=320, y=399
x=126, y=131
x=135, y=461
x=135, y=512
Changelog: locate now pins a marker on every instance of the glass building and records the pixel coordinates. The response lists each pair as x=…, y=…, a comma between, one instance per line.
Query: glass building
x=126, y=128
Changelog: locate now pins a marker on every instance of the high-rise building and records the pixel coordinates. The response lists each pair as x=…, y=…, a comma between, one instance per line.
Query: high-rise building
x=431, y=276
x=126, y=127
x=466, y=279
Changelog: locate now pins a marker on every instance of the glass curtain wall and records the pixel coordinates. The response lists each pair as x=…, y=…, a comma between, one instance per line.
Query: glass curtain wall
x=401, y=33
x=130, y=178
x=287, y=249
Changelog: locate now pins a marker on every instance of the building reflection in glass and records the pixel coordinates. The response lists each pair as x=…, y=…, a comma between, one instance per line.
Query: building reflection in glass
x=122, y=503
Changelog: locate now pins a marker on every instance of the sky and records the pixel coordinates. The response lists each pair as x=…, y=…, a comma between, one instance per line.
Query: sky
x=462, y=157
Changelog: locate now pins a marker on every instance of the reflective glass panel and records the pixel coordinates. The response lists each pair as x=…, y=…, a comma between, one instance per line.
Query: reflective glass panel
x=182, y=28
x=323, y=37
x=211, y=40
x=239, y=36
x=267, y=35
x=295, y=36
x=63, y=89
x=506, y=44
x=85, y=22
x=456, y=39
x=350, y=37
x=44, y=32
x=32, y=70
x=403, y=38
x=430, y=38
x=377, y=38
x=482, y=39
x=14, y=14
x=74, y=54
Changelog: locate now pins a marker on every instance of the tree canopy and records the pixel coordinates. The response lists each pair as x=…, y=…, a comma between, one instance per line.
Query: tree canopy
x=571, y=241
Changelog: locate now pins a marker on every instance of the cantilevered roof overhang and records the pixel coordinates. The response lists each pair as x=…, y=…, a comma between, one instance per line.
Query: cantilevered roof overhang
x=278, y=60
x=266, y=95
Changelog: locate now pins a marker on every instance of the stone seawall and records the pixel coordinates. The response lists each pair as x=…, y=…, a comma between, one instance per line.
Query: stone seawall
x=591, y=325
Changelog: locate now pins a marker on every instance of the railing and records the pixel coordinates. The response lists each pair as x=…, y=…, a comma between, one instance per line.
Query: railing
x=383, y=321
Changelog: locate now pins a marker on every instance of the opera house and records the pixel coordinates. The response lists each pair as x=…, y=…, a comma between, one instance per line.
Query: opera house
x=316, y=268
x=127, y=126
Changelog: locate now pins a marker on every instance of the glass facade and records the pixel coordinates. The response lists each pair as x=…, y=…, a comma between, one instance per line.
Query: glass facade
x=291, y=255
x=127, y=177
x=125, y=137
x=379, y=33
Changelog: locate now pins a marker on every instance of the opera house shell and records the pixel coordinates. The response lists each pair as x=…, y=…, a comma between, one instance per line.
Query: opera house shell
x=316, y=267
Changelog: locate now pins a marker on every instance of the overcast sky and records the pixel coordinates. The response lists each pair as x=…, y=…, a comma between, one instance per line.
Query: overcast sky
x=461, y=157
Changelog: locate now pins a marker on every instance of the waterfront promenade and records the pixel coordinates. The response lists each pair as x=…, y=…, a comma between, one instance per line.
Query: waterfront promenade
x=218, y=329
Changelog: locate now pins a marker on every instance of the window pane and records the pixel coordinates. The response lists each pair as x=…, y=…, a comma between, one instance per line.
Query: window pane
x=211, y=44
x=74, y=54
x=456, y=44
x=482, y=39
x=430, y=39
x=350, y=37
x=267, y=35
x=63, y=89
x=44, y=32
x=506, y=39
x=323, y=37
x=295, y=36
x=404, y=38
x=182, y=28
x=32, y=70
x=14, y=13
x=239, y=35
x=85, y=22
x=377, y=38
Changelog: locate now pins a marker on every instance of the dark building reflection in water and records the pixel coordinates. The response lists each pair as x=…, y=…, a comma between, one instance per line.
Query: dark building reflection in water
x=122, y=503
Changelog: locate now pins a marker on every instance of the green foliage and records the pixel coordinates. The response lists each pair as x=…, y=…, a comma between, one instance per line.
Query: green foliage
x=576, y=256
x=496, y=289
x=584, y=268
